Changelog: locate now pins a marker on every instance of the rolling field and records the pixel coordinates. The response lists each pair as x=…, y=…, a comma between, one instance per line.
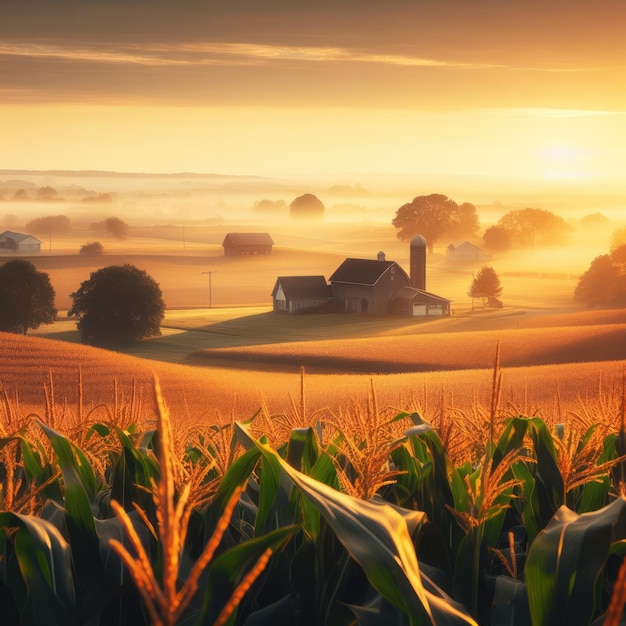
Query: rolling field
x=226, y=361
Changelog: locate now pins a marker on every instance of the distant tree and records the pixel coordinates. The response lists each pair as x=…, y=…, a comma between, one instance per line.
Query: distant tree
x=21, y=194
x=118, y=305
x=618, y=238
x=431, y=216
x=47, y=193
x=486, y=285
x=464, y=222
x=497, y=239
x=604, y=283
x=269, y=206
x=307, y=206
x=594, y=220
x=26, y=295
x=112, y=226
x=105, y=198
x=534, y=227
x=57, y=224
x=94, y=248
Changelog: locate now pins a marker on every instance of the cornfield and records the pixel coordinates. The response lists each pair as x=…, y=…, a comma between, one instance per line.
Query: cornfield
x=364, y=516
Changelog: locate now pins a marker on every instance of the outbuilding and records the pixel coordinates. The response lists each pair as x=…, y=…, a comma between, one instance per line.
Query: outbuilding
x=247, y=244
x=465, y=252
x=419, y=303
x=19, y=242
x=293, y=294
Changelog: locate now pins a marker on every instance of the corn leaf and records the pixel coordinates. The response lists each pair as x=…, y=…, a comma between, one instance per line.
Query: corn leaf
x=376, y=537
x=510, y=603
x=79, y=481
x=45, y=564
x=565, y=561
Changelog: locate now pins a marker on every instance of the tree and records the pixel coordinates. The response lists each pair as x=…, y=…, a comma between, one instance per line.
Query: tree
x=433, y=217
x=534, y=227
x=307, y=206
x=118, y=305
x=464, y=222
x=94, y=248
x=497, y=239
x=26, y=295
x=486, y=285
x=269, y=206
x=58, y=224
x=618, y=238
x=113, y=226
x=604, y=283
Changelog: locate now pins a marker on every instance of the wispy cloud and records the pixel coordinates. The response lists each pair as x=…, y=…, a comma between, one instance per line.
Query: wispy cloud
x=229, y=54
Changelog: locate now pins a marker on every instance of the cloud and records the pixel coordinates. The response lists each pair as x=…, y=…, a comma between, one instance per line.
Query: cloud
x=200, y=54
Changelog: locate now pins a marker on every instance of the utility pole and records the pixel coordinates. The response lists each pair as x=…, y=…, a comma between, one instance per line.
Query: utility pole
x=210, y=273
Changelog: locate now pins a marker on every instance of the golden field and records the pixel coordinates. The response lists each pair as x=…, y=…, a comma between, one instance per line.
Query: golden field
x=224, y=362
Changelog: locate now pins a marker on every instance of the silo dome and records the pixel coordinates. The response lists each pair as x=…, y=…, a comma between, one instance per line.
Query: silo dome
x=418, y=241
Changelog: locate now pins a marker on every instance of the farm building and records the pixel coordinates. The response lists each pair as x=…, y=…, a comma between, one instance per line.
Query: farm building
x=18, y=242
x=366, y=286
x=247, y=244
x=418, y=303
x=465, y=252
x=298, y=293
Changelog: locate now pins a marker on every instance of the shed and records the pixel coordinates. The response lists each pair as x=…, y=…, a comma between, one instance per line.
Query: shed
x=465, y=252
x=419, y=303
x=299, y=293
x=367, y=285
x=247, y=244
x=19, y=242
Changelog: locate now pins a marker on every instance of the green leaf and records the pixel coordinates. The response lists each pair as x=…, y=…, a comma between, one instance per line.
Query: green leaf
x=510, y=603
x=79, y=481
x=376, y=536
x=565, y=561
x=45, y=564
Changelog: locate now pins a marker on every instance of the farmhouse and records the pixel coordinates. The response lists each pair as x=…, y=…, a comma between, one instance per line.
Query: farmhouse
x=365, y=286
x=299, y=293
x=247, y=244
x=465, y=252
x=18, y=242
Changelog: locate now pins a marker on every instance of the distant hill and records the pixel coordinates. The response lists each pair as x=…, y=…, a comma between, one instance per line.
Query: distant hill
x=113, y=174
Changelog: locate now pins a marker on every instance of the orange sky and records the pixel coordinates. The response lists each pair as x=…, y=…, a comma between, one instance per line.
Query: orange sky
x=501, y=88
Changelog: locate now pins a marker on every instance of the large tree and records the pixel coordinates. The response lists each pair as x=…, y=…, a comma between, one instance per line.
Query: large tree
x=307, y=206
x=26, y=297
x=486, y=285
x=534, y=227
x=118, y=305
x=497, y=239
x=434, y=216
x=604, y=283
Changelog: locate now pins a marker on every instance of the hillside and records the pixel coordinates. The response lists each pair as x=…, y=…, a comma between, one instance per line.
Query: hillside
x=221, y=393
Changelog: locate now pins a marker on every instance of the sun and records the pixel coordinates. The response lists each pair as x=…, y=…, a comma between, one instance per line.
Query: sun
x=564, y=161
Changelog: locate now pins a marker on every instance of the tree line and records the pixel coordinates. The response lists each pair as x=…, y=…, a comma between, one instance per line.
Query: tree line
x=436, y=216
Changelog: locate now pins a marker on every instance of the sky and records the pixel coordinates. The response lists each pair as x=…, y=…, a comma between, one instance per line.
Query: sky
x=504, y=89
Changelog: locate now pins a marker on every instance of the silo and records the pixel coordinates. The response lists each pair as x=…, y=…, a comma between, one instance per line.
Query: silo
x=418, y=262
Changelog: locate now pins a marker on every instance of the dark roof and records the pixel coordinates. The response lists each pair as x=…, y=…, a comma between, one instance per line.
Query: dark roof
x=410, y=293
x=248, y=239
x=17, y=237
x=295, y=287
x=363, y=271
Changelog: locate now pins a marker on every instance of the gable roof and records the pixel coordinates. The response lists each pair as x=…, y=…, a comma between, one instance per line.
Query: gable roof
x=464, y=244
x=410, y=293
x=363, y=271
x=17, y=237
x=295, y=287
x=248, y=239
